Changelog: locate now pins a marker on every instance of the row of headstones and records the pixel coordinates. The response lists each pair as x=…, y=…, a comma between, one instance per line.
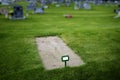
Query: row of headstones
x=57, y=3
x=97, y=2
x=77, y=3
x=86, y=3
x=8, y=2
x=82, y=4
x=18, y=10
x=16, y=14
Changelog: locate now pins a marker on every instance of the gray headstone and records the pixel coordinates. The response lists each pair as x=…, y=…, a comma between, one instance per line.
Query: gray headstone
x=38, y=10
x=118, y=2
x=68, y=3
x=96, y=2
x=48, y=1
x=43, y=3
x=76, y=5
x=57, y=3
x=3, y=11
x=5, y=2
x=112, y=1
x=31, y=6
x=118, y=15
x=87, y=5
x=62, y=1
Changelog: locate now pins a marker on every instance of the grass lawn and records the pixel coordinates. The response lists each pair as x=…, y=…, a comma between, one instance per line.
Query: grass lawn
x=93, y=34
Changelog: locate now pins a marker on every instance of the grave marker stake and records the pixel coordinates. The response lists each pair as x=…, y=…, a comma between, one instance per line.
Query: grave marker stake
x=64, y=59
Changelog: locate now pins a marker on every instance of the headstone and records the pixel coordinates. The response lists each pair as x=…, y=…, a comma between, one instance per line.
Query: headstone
x=57, y=3
x=87, y=5
x=118, y=15
x=18, y=12
x=31, y=6
x=5, y=2
x=112, y=1
x=105, y=1
x=48, y=2
x=96, y=2
x=116, y=2
x=11, y=2
x=42, y=3
x=27, y=0
x=119, y=2
x=62, y=1
x=4, y=12
x=67, y=2
x=39, y=10
x=81, y=4
x=17, y=0
x=45, y=7
x=87, y=1
x=117, y=9
x=76, y=5
x=0, y=1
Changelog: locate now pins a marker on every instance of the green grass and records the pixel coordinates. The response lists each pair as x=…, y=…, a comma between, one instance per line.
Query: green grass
x=92, y=34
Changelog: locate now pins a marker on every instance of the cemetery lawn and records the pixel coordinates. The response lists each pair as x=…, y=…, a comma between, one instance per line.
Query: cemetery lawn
x=92, y=34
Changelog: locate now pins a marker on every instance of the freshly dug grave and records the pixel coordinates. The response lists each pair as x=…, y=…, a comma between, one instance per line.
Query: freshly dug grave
x=51, y=49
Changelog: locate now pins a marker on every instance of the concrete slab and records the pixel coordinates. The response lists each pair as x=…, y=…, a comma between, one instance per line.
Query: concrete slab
x=51, y=49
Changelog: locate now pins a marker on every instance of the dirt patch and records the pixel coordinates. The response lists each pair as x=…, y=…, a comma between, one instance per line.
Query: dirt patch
x=51, y=49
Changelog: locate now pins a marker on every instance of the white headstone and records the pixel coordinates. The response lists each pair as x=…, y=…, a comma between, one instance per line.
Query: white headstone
x=76, y=5
x=118, y=15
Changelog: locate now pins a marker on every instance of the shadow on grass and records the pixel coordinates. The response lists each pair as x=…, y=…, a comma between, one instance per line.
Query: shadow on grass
x=3, y=35
x=91, y=71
